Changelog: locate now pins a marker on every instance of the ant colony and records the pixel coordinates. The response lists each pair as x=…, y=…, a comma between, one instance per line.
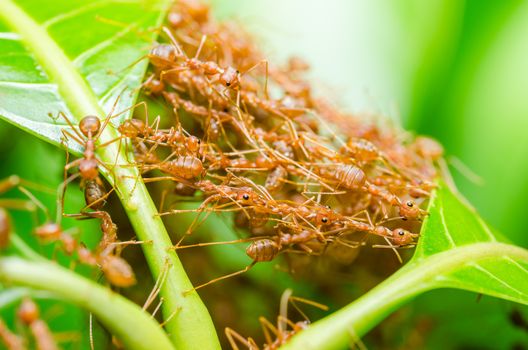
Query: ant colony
x=249, y=140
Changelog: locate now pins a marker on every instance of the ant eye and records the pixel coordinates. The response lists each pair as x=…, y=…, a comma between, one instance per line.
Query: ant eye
x=245, y=196
x=228, y=84
x=327, y=207
x=410, y=204
x=199, y=141
x=401, y=233
x=324, y=220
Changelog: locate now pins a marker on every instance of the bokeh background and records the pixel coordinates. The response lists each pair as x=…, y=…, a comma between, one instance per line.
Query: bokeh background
x=455, y=70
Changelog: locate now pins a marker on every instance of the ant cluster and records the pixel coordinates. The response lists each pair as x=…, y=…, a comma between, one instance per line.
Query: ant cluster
x=296, y=174
x=264, y=148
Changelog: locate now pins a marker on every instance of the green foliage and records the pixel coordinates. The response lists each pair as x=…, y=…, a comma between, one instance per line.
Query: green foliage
x=99, y=40
x=77, y=75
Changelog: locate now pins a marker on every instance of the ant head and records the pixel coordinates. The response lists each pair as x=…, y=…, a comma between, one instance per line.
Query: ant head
x=28, y=311
x=324, y=216
x=322, y=219
x=162, y=54
x=230, y=77
x=49, y=231
x=246, y=195
x=402, y=237
x=410, y=210
x=193, y=143
x=89, y=125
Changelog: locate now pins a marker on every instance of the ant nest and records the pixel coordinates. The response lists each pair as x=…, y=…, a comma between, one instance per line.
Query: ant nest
x=295, y=173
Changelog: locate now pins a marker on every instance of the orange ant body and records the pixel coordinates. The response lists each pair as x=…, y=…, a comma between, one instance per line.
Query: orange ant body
x=185, y=167
x=5, y=228
x=29, y=314
x=10, y=339
x=116, y=270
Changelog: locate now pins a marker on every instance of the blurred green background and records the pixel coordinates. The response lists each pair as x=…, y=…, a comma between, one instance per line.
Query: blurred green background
x=451, y=69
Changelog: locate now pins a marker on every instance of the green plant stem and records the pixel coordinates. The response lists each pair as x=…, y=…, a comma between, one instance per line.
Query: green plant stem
x=189, y=324
x=23, y=249
x=345, y=326
x=133, y=327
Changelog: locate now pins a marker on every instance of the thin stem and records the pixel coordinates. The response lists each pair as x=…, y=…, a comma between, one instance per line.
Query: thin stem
x=339, y=329
x=190, y=325
x=23, y=249
x=133, y=327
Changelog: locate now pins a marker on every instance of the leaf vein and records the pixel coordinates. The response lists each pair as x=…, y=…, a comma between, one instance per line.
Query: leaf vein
x=73, y=13
x=487, y=272
x=444, y=224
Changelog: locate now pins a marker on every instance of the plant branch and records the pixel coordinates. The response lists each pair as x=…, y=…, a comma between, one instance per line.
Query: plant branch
x=134, y=328
x=190, y=325
x=345, y=326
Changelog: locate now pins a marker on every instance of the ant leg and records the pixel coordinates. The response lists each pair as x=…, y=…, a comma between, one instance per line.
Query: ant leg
x=200, y=47
x=157, y=286
x=267, y=326
x=221, y=278
x=61, y=193
x=207, y=244
x=267, y=71
x=199, y=210
x=61, y=114
x=172, y=70
x=233, y=336
x=66, y=134
x=11, y=340
x=9, y=183
x=173, y=40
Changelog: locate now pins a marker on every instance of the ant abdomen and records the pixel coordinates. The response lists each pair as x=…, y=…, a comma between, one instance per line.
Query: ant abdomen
x=162, y=56
x=275, y=179
x=350, y=176
x=117, y=271
x=132, y=128
x=263, y=250
x=184, y=190
x=94, y=194
x=186, y=167
x=362, y=150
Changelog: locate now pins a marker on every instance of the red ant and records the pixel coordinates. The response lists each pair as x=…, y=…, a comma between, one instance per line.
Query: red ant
x=28, y=312
x=278, y=334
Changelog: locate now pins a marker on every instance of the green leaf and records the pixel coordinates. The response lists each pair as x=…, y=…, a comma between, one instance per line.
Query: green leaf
x=70, y=56
x=457, y=250
x=98, y=39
